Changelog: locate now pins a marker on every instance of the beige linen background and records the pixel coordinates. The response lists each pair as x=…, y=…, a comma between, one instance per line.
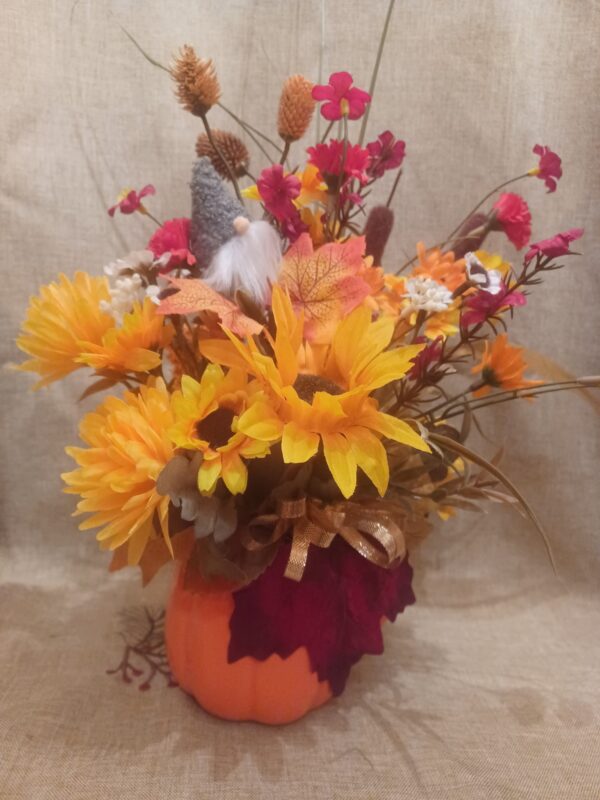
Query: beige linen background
x=489, y=685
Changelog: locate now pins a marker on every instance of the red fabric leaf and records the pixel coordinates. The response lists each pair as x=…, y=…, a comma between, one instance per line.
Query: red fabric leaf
x=335, y=611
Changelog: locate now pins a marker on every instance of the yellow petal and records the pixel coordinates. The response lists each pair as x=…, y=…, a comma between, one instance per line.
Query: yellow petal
x=251, y=192
x=341, y=462
x=388, y=366
x=235, y=473
x=398, y=430
x=371, y=457
x=260, y=422
x=298, y=445
x=208, y=474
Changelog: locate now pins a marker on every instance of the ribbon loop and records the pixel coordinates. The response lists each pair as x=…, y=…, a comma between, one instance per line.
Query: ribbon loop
x=370, y=530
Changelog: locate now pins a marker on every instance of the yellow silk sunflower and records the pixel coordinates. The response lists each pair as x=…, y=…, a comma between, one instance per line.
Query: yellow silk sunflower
x=126, y=448
x=133, y=346
x=331, y=406
x=64, y=314
x=205, y=414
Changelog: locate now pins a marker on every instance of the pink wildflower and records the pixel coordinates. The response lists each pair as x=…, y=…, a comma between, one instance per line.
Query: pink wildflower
x=549, y=166
x=336, y=167
x=171, y=244
x=556, y=246
x=278, y=191
x=514, y=218
x=483, y=305
x=343, y=99
x=130, y=201
x=385, y=153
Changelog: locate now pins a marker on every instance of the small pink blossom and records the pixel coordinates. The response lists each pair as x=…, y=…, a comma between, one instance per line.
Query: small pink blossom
x=514, y=218
x=483, y=305
x=278, y=191
x=171, y=244
x=386, y=152
x=549, y=166
x=337, y=166
x=343, y=99
x=130, y=201
x=556, y=246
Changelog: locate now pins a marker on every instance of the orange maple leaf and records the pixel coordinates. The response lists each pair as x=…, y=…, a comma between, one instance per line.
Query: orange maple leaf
x=195, y=296
x=325, y=283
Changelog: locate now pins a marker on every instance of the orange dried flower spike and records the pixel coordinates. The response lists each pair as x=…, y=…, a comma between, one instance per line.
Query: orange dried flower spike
x=197, y=86
x=502, y=367
x=296, y=107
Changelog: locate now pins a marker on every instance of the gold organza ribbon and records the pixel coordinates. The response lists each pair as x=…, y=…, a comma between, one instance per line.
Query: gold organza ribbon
x=368, y=528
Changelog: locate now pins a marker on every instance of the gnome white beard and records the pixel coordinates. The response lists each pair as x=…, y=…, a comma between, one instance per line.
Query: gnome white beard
x=249, y=261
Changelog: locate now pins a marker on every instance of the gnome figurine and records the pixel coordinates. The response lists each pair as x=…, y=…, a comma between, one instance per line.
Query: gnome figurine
x=233, y=252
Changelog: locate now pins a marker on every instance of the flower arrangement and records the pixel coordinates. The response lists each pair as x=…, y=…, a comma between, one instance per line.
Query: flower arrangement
x=277, y=412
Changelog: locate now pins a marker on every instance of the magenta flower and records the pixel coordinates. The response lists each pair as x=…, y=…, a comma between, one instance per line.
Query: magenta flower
x=130, y=201
x=549, y=166
x=278, y=191
x=556, y=246
x=343, y=99
x=171, y=245
x=428, y=356
x=483, y=305
x=512, y=216
x=386, y=152
x=336, y=167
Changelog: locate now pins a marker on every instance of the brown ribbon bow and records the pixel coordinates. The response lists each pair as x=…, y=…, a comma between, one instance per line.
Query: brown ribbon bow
x=370, y=530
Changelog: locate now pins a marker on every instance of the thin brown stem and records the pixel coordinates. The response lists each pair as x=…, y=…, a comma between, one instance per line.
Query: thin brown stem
x=531, y=392
x=382, y=38
x=284, y=153
x=393, y=190
x=481, y=202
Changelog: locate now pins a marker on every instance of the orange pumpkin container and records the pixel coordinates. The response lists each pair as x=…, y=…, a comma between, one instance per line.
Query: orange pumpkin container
x=275, y=691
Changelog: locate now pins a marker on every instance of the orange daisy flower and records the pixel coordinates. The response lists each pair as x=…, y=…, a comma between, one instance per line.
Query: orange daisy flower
x=441, y=267
x=502, y=367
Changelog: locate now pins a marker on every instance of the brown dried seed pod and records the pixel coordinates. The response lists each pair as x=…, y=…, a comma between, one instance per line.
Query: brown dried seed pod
x=296, y=107
x=230, y=146
x=197, y=86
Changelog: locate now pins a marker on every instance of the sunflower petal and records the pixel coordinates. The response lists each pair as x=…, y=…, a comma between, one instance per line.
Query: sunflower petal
x=341, y=462
x=298, y=445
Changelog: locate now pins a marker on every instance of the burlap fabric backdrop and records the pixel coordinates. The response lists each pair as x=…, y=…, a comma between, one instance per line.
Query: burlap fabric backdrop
x=488, y=688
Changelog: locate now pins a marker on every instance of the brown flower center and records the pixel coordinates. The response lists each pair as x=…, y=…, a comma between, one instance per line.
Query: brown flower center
x=307, y=385
x=489, y=377
x=216, y=427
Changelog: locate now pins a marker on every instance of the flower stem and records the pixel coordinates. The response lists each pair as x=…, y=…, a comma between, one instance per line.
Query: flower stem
x=251, y=131
x=327, y=129
x=515, y=394
x=284, y=153
x=221, y=155
x=481, y=202
x=393, y=190
x=386, y=25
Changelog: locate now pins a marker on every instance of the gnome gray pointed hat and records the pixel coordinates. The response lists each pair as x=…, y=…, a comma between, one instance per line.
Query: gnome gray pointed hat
x=213, y=212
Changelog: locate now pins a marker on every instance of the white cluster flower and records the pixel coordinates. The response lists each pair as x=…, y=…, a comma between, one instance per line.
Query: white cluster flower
x=127, y=286
x=488, y=280
x=425, y=294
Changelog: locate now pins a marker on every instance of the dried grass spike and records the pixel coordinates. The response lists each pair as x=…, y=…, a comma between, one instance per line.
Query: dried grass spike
x=232, y=149
x=197, y=86
x=296, y=107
